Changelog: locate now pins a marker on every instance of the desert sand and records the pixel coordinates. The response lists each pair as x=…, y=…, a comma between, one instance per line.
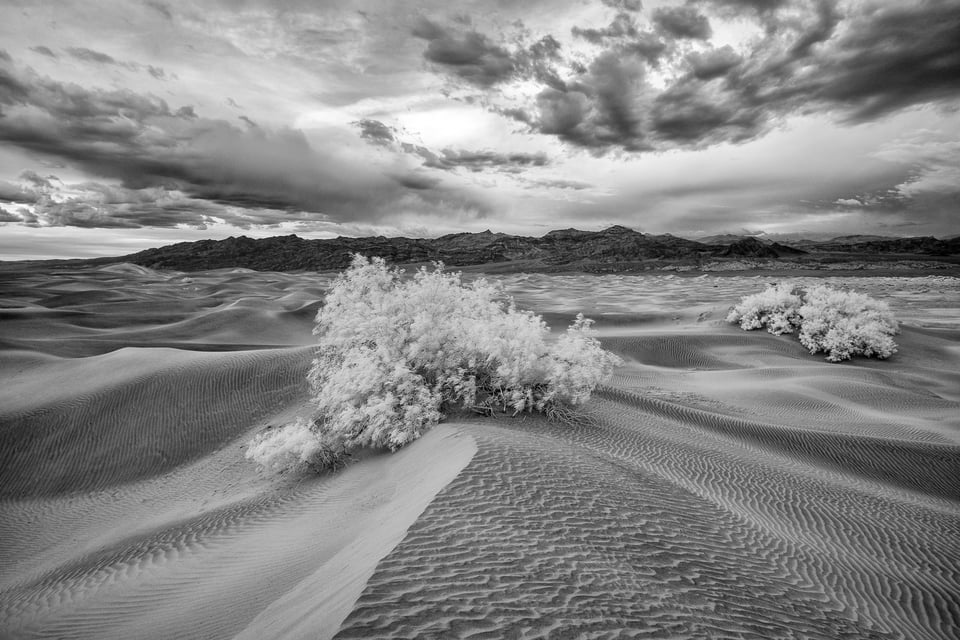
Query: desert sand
x=723, y=484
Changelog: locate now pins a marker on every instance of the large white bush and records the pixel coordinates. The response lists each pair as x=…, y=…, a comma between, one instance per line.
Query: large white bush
x=394, y=354
x=777, y=308
x=840, y=323
x=846, y=323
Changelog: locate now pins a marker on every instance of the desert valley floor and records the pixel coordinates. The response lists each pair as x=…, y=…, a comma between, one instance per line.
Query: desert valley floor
x=724, y=484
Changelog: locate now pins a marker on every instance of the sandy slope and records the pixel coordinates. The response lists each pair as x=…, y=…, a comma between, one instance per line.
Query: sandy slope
x=723, y=485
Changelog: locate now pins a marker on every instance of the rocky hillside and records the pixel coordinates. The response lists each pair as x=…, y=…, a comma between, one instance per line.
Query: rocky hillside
x=614, y=249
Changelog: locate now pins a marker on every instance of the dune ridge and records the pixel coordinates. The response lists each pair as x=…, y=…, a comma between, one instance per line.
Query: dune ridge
x=723, y=484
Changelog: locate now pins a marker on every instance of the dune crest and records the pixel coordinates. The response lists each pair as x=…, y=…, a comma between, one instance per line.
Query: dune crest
x=723, y=484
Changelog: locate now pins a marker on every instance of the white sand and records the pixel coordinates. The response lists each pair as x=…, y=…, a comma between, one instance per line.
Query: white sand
x=723, y=484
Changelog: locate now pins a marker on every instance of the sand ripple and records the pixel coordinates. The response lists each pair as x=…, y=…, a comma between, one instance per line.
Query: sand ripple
x=722, y=485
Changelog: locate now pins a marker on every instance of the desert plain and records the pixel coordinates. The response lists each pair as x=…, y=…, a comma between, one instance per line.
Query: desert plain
x=723, y=484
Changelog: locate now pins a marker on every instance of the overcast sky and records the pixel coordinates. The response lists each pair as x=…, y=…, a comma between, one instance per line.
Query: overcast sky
x=129, y=124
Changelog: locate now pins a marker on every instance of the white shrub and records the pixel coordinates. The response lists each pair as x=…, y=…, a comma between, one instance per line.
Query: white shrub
x=777, y=308
x=394, y=354
x=846, y=323
x=840, y=323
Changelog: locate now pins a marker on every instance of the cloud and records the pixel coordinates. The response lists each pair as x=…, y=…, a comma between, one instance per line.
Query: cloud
x=682, y=22
x=622, y=26
x=624, y=5
x=917, y=63
x=810, y=54
x=89, y=55
x=713, y=63
x=934, y=166
x=375, y=132
x=695, y=113
x=10, y=192
x=31, y=188
x=474, y=58
x=476, y=161
x=160, y=8
x=601, y=109
x=6, y=216
x=849, y=202
x=138, y=140
x=558, y=183
x=469, y=55
x=44, y=51
x=754, y=6
x=100, y=58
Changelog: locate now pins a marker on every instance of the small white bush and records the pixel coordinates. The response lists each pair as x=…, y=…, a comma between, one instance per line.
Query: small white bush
x=840, y=323
x=846, y=323
x=777, y=308
x=394, y=354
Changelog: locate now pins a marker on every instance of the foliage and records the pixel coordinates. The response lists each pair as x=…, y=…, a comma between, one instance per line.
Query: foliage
x=846, y=323
x=394, y=354
x=777, y=308
x=840, y=323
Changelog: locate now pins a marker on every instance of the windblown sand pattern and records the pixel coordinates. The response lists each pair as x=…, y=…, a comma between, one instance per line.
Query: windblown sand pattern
x=722, y=485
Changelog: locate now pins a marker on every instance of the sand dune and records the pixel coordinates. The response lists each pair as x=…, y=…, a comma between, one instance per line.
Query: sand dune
x=722, y=485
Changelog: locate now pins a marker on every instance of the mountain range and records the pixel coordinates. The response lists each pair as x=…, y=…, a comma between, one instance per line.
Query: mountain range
x=615, y=249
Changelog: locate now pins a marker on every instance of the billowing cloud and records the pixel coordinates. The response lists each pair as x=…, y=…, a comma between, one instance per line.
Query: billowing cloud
x=336, y=117
x=683, y=22
x=140, y=141
x=803, y=59
x=713, y=63
x=622, y=26
x=601, y=109
x=467, y=54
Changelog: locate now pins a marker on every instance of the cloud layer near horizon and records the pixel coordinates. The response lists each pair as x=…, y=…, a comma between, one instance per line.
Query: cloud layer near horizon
x=375, y=117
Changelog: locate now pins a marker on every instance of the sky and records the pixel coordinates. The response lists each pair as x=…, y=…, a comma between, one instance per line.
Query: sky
x=132, y=124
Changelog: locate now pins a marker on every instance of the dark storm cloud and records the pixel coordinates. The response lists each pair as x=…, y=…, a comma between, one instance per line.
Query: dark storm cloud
x=474, y=58
x=600, y=109
x=694, y=114
x=476, y=161
x=622, y=26
x=485, y=160
x=682, y=22
x=888, y=59
x=714, y=63
x=872, y=61
x=648, y=46
x=140, y=141
x=375, y=131
x=623, y=35
x=539, y=61
x=469, y=55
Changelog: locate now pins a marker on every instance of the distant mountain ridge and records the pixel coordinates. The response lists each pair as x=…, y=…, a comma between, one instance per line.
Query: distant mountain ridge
x=616, y=248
